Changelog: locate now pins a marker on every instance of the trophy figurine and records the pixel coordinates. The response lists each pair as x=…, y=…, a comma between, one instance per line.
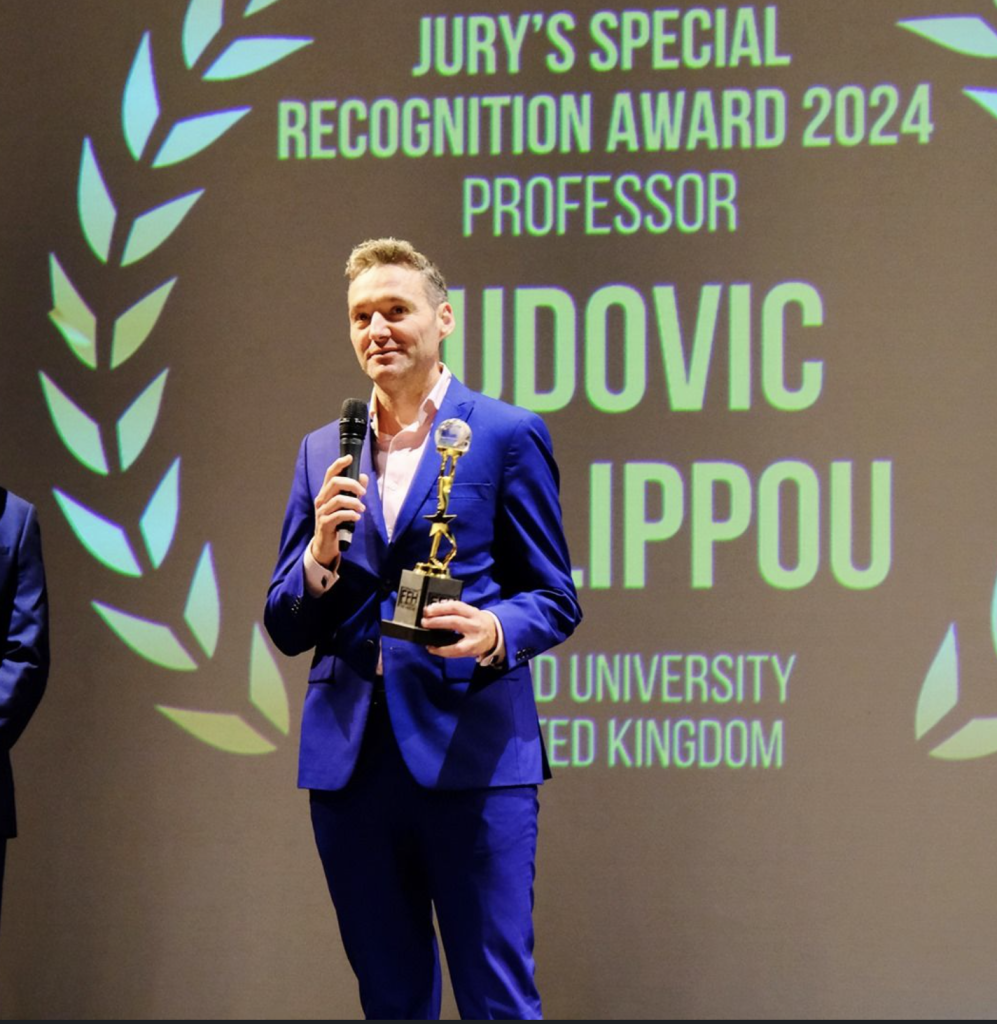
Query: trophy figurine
x=430, y=581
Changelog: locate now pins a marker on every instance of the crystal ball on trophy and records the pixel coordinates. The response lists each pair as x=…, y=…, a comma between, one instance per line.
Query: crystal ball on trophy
x=454, y=436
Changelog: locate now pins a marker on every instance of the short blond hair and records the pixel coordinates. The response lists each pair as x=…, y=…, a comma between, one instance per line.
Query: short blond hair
x=379, y=252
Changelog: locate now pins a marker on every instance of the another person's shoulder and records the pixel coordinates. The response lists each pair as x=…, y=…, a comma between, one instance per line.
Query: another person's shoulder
x=14, y=508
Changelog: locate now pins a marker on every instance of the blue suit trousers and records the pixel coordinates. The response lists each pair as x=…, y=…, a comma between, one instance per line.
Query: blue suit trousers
x=393, y=850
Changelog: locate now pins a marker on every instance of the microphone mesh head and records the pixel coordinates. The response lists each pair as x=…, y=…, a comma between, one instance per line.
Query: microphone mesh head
x=353, y=421
x=354, y=409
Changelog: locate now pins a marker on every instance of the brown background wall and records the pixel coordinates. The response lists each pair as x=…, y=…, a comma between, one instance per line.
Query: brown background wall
x=158, y=876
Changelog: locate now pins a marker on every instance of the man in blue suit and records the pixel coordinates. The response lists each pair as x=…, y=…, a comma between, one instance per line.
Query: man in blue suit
x=24, y=628
x=423, y=763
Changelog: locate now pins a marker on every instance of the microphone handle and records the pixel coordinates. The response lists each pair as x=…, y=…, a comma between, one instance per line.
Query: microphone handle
x=350, y=445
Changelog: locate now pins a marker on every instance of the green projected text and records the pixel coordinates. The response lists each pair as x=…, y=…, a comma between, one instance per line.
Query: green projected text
x=662, y=40
x=603, y=349
x=665, y=743
x=799, y=519
x=601, y=204
x=646, y=122
x=692, y=689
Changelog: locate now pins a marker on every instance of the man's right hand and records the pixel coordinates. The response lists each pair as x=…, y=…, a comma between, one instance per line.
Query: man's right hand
x=337, y=502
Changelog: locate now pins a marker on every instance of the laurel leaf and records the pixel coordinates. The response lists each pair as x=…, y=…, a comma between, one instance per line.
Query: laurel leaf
x=187, y=138
x=940, y=692
x=154, y=641
x=987, y=98
x=159, y=520
x=977, y=738
x=104, y=539
x=968, y=34
x=97, y=212
x=152, y=228
x=218, y=729
x=134, y=326
x=77, y=431
x=203, y=610
x=139, y=420
x=266, y=685
x=200, y=26
x=254, y=6
x=72, y=316
x=140, y=105
x=247, y=56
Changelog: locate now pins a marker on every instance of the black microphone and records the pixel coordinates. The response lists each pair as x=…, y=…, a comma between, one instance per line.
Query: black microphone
x=352, y=434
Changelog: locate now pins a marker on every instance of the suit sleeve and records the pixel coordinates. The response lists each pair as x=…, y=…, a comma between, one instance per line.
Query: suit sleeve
x=295, y=620
x=539, y=606
x=24, y=670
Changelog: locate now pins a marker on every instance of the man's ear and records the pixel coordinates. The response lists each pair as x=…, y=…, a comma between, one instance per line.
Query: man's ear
x=446, y=318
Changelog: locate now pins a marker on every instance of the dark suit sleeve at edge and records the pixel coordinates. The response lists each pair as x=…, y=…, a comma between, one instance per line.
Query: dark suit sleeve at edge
x=24, y=670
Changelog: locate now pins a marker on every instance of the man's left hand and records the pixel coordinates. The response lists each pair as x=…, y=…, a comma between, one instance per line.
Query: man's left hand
x=479, y=634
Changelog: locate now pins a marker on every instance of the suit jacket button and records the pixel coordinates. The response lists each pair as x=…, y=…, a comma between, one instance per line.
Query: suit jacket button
x=369, y=645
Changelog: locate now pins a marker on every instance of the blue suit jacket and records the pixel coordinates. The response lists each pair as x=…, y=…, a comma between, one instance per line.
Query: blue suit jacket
x=458, y=725
x=24, y=634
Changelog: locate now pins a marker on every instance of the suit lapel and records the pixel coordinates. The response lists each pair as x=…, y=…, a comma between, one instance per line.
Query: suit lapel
x=372, y=499
x=457, y=402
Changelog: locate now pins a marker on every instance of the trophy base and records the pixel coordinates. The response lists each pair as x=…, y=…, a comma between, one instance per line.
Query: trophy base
x=415, y=591
x=418, y=635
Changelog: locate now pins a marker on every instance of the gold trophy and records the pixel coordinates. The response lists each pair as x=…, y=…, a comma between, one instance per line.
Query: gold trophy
x=430, y=581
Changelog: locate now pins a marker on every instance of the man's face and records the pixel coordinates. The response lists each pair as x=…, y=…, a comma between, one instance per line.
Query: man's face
x=395, y=329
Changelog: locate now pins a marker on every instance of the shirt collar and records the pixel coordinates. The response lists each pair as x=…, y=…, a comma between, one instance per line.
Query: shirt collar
x=430, y=404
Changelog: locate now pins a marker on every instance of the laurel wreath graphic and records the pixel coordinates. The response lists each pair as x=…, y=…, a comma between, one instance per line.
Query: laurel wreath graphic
x=972, y=36
x=214, y=52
